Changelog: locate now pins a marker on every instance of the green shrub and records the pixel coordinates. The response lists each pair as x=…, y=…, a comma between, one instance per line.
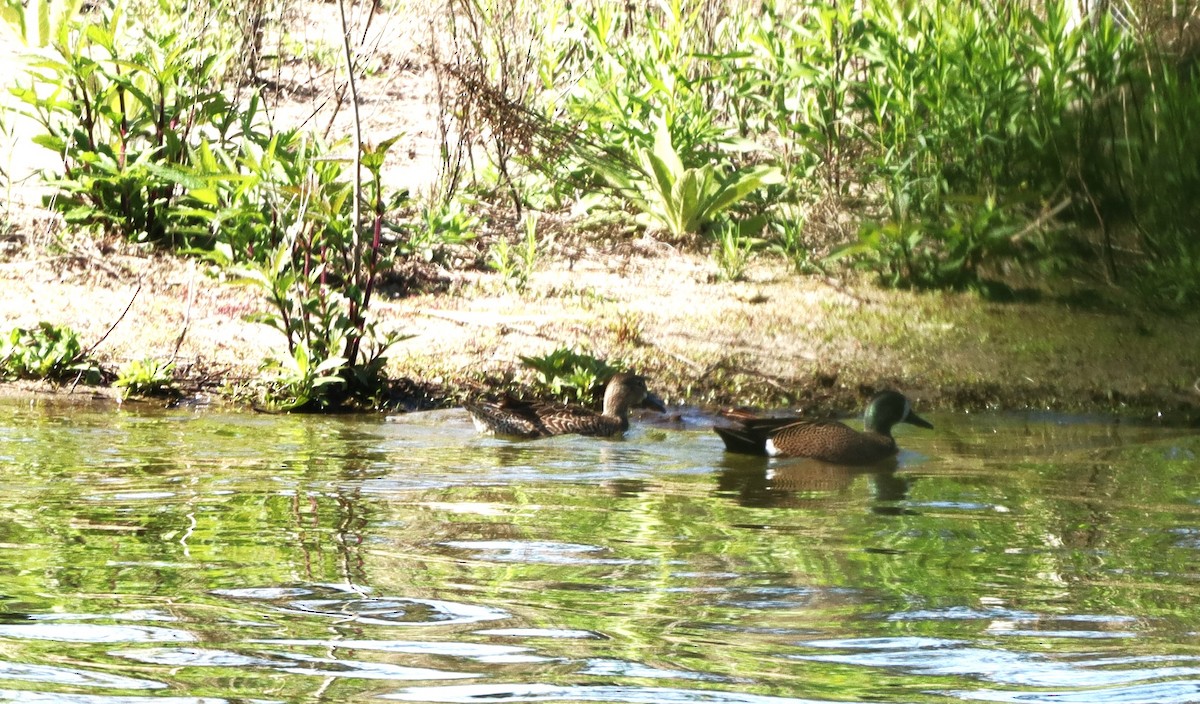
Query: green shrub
x=516, y=264
x=569, y=375
x=147, y=377
x=319, y=281
x=122, y=111
x=37, y=23
x=46, y=352
x=680, y=199
x=938, y=129
x=950, y=251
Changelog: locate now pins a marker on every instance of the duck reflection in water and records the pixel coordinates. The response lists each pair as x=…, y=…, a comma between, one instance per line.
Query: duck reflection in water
x=806, y=483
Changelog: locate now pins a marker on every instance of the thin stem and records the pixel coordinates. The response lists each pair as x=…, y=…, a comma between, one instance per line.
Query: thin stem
x=356, y=312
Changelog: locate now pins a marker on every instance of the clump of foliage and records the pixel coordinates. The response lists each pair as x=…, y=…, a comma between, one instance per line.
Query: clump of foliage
x=516, y=264
x=953, y=140
x=440, y=227
x=147, y=377
x=123, y=111
x=570, y=375
x=680, y=199
x=319, y=280
x=46, y=352
x=155, y=151
x=37, y=23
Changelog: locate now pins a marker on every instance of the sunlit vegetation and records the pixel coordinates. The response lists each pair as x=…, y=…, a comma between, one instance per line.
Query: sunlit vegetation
x=951, y=144
x=964, y=139
x=47, y=351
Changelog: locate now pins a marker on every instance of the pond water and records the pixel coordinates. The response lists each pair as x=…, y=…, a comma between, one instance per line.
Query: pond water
x=186, y=557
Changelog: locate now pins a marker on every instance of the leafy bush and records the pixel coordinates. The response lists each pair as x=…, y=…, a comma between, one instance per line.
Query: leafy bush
x=947, y=126
x=683, y=200
x=440, y=227
x=516, y=264
x=122, y=111
x=946, y=252
x=37, y=23
x=49, y=352
x=147, y=377
x=570, y=375
x=319, y=281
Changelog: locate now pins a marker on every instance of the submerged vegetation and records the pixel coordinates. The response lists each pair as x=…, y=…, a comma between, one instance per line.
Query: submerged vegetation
x=937, y=144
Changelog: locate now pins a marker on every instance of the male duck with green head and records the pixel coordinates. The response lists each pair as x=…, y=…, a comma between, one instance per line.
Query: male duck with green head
x=826, y=440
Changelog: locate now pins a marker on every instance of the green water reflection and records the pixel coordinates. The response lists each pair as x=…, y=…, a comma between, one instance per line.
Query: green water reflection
x=214, y=557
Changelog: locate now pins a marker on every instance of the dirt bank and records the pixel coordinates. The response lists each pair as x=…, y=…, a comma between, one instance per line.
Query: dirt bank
x=773, y=340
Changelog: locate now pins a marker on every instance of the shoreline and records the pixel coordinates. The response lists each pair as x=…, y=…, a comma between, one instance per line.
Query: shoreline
x=775, y=341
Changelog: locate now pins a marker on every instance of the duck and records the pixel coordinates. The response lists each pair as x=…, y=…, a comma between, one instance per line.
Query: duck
x=533, y=419
x=825, y=440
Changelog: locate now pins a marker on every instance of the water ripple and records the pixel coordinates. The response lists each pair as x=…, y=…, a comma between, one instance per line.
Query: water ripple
x=330, y=667
x=937, y=657
x=543, y=633
x=540, y=552
x=17, y=695
x=472, y=651
x=137, y=615
x=191, y=657
x=352, y=604
x=398, y=611
x=91, y=633
x=1162, y=693
x=606, y=667
x=468, y=694
x=71, y=677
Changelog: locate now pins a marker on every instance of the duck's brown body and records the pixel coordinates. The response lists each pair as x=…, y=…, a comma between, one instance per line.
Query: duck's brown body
x=532, y=419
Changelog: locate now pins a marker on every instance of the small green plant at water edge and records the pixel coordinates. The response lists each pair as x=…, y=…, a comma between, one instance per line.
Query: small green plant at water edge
x=49, y=352
x=570, y=375
x=732, y=251
x=298, y=384
x=147, y=377
x=439, y=227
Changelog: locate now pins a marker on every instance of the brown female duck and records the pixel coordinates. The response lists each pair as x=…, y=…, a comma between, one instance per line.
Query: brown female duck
x=531, y=419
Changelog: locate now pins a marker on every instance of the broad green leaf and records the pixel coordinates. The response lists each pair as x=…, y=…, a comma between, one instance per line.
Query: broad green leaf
x=664, y=150
x=331, y=364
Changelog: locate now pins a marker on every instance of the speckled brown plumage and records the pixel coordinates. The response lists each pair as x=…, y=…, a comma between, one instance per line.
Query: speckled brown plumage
x=825, y=440
x=532, y=419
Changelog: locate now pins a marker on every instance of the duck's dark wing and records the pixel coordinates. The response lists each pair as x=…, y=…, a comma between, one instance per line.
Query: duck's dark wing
x=508, y=417
x=559, y=419
x=750, y=434
x=740, y=441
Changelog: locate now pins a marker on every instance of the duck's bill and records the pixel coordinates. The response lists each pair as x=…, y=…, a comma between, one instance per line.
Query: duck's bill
x=655, y=403
x=918, y=421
